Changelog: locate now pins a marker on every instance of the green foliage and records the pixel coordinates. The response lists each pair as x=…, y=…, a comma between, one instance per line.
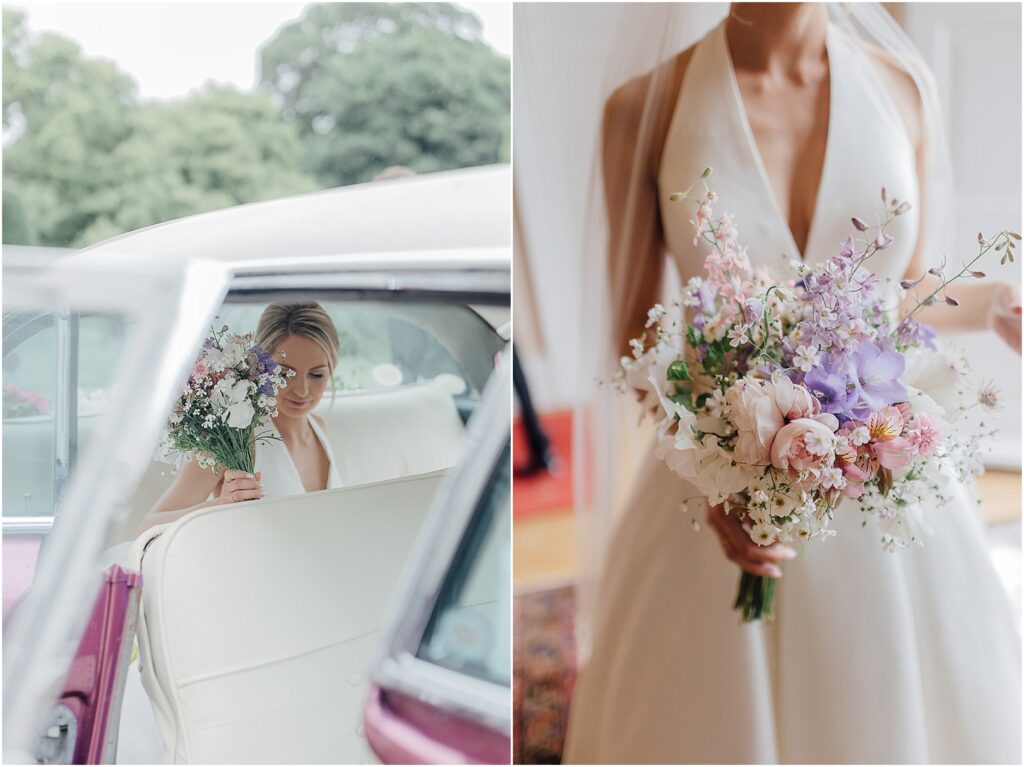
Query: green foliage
x=679, y=371
x=360, y=87
x=17, y=228
x=91, y=161
x=374, y=85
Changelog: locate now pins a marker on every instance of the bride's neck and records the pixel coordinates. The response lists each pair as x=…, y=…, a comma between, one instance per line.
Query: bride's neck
x=777, y=37
x=293, y=430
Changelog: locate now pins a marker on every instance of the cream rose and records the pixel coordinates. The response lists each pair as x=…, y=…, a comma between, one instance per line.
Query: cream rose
x=804, y=445
x=757, y=418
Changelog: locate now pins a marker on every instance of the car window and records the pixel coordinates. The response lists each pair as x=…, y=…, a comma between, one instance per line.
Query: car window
x=386, y=344
x=58, y=371
x=469, y=630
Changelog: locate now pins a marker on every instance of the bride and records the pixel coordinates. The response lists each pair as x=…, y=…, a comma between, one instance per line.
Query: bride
x=873, y=657
x=302, y=338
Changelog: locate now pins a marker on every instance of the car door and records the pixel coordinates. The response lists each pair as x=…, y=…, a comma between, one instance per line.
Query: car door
x=442, y=682
x=90, y=362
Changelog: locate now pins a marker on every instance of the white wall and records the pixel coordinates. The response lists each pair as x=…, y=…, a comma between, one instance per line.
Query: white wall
x=561, y=54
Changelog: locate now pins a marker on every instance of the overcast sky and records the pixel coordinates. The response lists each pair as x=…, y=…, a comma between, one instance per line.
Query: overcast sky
x=171, y=48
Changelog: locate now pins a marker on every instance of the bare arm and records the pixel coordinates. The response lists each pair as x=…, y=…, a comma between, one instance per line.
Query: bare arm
x=631, y=147
x=191, y=491
x=991, y=304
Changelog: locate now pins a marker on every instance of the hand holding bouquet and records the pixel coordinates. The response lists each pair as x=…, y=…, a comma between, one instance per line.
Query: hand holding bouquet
x=779, y=399
x=231, y=391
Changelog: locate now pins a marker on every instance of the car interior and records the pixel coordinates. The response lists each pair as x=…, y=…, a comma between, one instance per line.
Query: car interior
x=258, y=620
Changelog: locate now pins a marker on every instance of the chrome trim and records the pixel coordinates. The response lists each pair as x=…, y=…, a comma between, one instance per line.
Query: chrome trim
x=483, y=286
x=397, y=667
x=26, y=525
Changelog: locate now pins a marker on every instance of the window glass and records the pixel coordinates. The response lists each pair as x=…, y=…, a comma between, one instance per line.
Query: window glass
x=392, y=344
x=46, y=357
x=469, y=630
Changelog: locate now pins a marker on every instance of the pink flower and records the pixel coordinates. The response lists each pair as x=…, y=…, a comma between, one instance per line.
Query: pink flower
x=923, y=434
x=885, y=424
x=804, y=445
x=794, y=401
x=757, y=419
x=892, y=453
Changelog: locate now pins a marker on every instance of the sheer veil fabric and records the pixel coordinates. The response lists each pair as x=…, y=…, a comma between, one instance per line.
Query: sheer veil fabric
x=609, y=438
x=667, y=676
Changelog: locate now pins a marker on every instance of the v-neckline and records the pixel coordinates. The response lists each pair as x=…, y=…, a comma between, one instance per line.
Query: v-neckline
x=740, y=110
x=291, y=460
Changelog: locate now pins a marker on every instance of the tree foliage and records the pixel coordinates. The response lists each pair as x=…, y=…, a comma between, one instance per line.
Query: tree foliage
x=373, y=85
x=348, y=89
x=89, y=160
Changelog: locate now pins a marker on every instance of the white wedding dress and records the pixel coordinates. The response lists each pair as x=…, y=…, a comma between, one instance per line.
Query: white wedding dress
x=874, y=657
x=278, y=474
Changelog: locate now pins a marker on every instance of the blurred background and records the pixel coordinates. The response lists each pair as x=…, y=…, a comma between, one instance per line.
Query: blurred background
x=560, y=60
x=117, y=116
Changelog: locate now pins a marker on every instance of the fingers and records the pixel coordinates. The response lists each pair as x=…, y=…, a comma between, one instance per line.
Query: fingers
x=241, y=486
x=740, y=549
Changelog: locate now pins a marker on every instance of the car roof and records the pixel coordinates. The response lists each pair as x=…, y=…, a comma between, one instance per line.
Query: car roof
x=413, y=222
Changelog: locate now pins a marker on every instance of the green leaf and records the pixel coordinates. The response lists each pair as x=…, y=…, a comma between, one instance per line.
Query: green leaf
x=692, y=337
x=679, y=371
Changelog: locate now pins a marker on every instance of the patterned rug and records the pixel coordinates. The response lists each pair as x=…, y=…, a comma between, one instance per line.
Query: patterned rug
x=544, y=671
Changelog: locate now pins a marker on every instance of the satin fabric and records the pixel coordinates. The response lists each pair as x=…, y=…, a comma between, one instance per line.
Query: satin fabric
x=278, y=473
x=873, y=657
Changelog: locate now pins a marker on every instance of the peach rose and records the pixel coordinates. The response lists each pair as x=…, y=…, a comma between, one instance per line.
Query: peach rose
x=804, y=445
x=793, y=401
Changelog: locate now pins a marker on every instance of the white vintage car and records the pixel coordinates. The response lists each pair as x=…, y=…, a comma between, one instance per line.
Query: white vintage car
x=370, y=621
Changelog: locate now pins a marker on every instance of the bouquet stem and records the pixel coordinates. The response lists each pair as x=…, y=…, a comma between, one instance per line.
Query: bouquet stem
x=755, y=597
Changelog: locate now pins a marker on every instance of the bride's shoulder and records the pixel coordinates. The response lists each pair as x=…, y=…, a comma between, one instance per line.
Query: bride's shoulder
x=624, y=109
x=906, y=92
x=627, y=101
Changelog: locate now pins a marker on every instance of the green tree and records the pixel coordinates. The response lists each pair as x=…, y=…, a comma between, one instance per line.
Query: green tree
x=371, y=85
x=90, y=161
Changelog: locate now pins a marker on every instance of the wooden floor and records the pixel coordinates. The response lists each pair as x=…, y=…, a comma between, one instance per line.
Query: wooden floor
x=544, y=546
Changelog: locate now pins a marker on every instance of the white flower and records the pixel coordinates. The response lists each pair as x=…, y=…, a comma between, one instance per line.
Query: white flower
x=758, y=516
x=655, y=313
x=737, y=336
x=759, y=498
x=239, y=415
x=806, y=357
x=717, y=405
x=818, y=442
x=860, y=436
x=832, y=479
x=764, y=535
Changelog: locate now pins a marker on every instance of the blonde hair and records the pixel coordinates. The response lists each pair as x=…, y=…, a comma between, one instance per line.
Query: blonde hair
x=307, y=319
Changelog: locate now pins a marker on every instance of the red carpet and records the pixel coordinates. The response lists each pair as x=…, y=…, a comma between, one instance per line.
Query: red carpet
x=544, y=672
x=544, y=491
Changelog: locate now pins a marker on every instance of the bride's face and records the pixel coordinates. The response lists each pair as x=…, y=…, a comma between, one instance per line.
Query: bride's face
x=312, y=374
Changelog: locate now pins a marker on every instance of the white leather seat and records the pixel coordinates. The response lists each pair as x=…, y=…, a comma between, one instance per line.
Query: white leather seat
x=391, y=433
x=375, y=435
x=259, y=621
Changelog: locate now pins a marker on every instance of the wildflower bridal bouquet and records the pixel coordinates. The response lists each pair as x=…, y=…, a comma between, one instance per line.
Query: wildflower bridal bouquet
x=779, y=399
x=231, y=390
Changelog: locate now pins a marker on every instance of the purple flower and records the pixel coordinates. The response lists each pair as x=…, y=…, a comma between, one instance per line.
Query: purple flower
x=266, y=389
x=753, y=311
x=875, y=375
x=830, y=384
x=856, y=385
x=913, y=333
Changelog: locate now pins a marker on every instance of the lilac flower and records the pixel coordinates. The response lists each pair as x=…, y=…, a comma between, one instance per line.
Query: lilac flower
x=875, y=375
x=829, y=383
x=753, y=311
x=912, y=333
x=267, y=389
